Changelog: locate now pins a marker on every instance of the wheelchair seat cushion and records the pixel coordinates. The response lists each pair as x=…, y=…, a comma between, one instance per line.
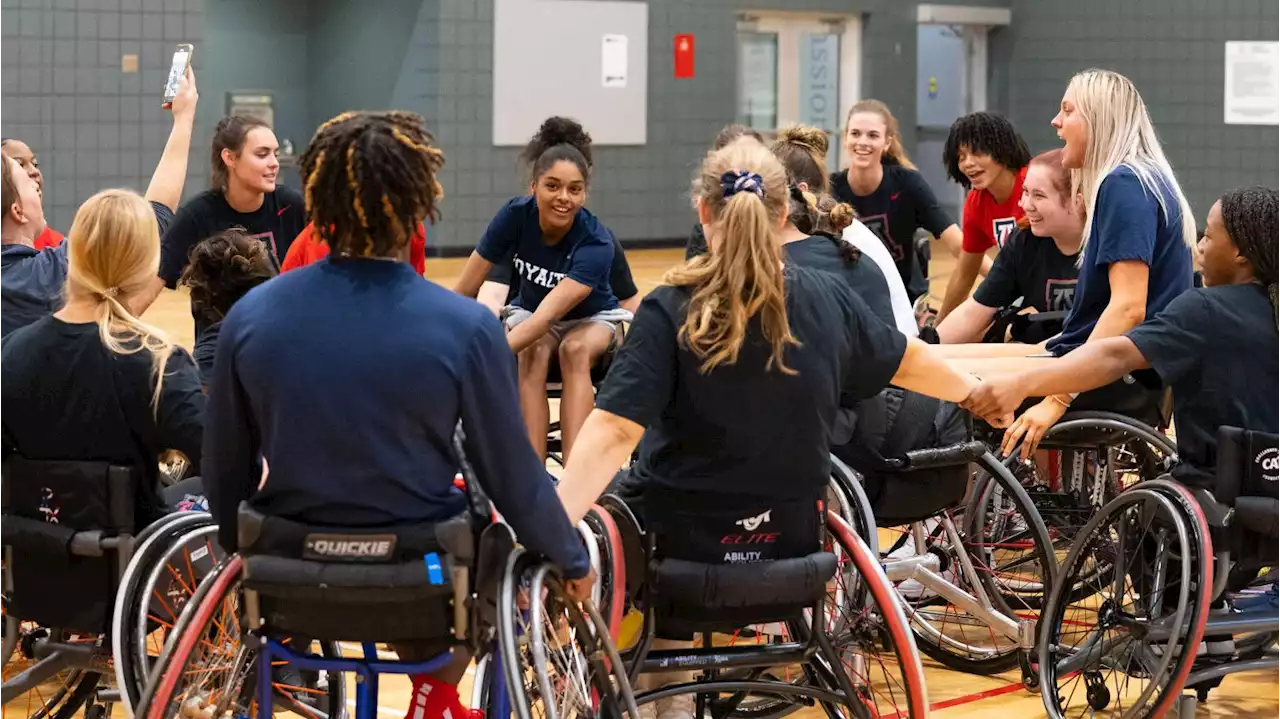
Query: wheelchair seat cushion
x=793, y=582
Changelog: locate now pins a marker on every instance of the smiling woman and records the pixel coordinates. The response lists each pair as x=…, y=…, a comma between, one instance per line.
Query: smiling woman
x=244, y=194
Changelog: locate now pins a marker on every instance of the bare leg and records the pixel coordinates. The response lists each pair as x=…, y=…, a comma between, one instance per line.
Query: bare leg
x=581, y=348
x=534, y=362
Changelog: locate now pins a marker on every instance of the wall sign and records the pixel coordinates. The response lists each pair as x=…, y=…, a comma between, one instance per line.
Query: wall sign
x=684, y=56
x=613, y=60
x=1252, y=83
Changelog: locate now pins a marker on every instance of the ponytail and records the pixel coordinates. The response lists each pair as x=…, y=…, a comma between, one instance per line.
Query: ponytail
x=744, y=188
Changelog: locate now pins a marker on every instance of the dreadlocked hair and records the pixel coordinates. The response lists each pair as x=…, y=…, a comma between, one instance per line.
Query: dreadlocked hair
x=1249, y=215
x=370, y=180
x=984, y=133
x=223, y=268
x=740, y=279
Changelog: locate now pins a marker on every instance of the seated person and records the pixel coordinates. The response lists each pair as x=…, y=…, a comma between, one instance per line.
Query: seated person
x=26, y=157
x=1037, y=264
x=697, y=244
x=91, y=381
x=500, y=291
x=32, y=279
x=1215, y=346
x=307, y=248
x=219, y=272
x=733, y=374
x=562, y=254
x=369, y=450
x=1136, y=255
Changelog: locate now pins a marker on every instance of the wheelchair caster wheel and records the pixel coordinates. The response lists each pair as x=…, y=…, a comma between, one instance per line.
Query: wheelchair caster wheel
x=1202, y=694
x=1186, y=707
x=1096, y=691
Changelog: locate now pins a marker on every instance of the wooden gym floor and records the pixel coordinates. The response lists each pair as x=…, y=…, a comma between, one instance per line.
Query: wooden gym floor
x=952, y=694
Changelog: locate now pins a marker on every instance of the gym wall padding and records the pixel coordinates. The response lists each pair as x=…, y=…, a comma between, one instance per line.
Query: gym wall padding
x=547, y=60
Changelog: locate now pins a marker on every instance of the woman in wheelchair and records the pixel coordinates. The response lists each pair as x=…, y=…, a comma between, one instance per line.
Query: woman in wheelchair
x=221, y=270
x=563, y=254
x=1135, y=249
x=1216, y=346
x=733, y=373
x=1034, y=276
x=92, y=382
x=500, y=289
x=401, y=361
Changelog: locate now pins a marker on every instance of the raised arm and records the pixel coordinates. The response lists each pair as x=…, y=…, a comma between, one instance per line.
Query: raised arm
x=171, y=172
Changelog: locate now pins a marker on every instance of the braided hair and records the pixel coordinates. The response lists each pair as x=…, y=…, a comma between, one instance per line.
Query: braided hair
x=984, y=133
x=802, y=149
x=1249, y=216
x=223, y=268
x=370, y=180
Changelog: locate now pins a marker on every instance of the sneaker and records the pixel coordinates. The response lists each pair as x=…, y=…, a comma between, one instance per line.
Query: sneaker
x=1256, y=602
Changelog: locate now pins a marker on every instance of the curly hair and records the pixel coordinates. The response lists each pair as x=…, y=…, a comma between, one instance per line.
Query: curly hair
x=223, y=268
x=370, y=180
x=1249, y=216
x=984, y=133
x=558, y=139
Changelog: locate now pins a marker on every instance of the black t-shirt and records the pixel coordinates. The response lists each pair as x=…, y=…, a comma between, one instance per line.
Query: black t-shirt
x=740, y=428
x=697, y=244
x=1216, y=347
x=1034, y=269
x=863, y=276
x=900, y=205
x=620, y=280
x=67, y=397
x=279, y=220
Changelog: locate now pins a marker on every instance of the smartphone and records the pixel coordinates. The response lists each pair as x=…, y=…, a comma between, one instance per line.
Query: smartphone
x=181, y=61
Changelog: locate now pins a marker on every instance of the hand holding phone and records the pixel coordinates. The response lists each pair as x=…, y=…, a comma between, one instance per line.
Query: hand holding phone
x=177, y=70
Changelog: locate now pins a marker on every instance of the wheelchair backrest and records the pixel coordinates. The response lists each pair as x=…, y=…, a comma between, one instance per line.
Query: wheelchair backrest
x=59, y=580
x=1248, y=465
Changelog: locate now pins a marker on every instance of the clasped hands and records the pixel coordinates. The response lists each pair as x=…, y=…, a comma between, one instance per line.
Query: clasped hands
x=997, y=398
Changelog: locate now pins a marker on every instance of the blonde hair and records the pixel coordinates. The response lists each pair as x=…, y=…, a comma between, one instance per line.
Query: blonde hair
x=894, y=152
x=114, y=250
x=1121, y=134
x=741, y=277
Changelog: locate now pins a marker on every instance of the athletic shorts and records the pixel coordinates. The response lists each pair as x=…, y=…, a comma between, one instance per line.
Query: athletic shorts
x=513, y=315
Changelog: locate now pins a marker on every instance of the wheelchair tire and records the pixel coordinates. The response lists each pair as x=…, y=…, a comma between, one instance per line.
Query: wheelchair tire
x=1061, y=660
x=612, y=573
x=64, y=703
x=126, y=645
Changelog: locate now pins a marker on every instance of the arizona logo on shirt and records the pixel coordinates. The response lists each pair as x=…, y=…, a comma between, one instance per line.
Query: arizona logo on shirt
x=269, y=239
x=539, y=276
x=1002, y=229
x=1059, y=295
x=879, y=224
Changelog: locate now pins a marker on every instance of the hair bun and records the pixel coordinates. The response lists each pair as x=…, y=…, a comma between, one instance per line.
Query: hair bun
x=840, y=217
x=559, y=131
x=807, y=136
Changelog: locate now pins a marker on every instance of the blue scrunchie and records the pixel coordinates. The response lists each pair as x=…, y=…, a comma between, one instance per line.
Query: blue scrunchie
x=735, y=181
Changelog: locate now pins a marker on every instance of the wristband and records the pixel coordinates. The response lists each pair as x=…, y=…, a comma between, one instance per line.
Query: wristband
x=1059, y=400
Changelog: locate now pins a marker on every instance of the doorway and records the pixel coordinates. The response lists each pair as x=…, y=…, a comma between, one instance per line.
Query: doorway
x=951, y=81
x=798, y=68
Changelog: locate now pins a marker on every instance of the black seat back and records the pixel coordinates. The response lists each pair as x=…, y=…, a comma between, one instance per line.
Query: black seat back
x=69, y=525
x=381, y=584
x=1246, y=477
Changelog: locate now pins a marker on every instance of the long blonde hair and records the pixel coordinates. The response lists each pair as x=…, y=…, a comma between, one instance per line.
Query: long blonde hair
x=894, y=154
x=744, y=188
x=1121, y=133
x=113, y=252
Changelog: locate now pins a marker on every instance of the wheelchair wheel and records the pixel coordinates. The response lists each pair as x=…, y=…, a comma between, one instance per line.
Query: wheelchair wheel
x=557, y=656
x=1119, y=649
x=207, y=668
x=135, y=647
x=611, y=583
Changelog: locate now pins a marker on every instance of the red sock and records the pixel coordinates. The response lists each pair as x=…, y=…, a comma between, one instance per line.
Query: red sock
x=434, y=699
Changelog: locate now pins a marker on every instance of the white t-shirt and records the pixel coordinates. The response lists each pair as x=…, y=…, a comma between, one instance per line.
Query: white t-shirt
x=871, y=246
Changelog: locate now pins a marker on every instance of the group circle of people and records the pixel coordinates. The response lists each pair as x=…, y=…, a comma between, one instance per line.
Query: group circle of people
x=328, y=376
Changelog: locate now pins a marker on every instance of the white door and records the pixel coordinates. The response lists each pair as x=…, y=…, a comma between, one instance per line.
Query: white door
x=795, y=68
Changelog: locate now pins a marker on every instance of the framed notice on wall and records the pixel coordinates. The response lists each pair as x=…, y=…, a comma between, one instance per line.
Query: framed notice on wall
x=1252, y=84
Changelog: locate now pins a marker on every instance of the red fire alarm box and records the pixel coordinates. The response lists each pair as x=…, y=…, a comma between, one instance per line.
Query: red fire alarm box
x=684, y=56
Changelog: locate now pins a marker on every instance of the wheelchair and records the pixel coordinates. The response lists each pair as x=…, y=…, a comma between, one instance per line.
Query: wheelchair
x=775, y=635
x=963, y=546
x=436, y=587
x=1153, y=561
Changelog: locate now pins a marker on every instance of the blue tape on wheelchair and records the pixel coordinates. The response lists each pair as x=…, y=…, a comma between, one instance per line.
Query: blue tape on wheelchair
x=435, y=571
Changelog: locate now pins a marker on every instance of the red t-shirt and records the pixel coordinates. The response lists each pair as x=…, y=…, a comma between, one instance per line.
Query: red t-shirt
x=48, y=239
x=988, y=223
x=307, y=248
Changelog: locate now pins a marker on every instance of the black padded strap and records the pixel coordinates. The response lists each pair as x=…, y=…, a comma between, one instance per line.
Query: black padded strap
x=798, y=582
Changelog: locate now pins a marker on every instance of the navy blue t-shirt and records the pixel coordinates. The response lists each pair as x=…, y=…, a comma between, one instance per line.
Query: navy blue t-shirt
x=1128, y=224
x=349, y=376
x=584, y=255
x=1216, y=347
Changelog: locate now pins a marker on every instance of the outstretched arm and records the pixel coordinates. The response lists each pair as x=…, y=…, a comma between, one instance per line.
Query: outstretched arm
x=926, y=373
x=961, y=282
x=171, y=172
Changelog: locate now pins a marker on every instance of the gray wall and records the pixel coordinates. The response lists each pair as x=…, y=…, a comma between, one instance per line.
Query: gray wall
x=1173, y=51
